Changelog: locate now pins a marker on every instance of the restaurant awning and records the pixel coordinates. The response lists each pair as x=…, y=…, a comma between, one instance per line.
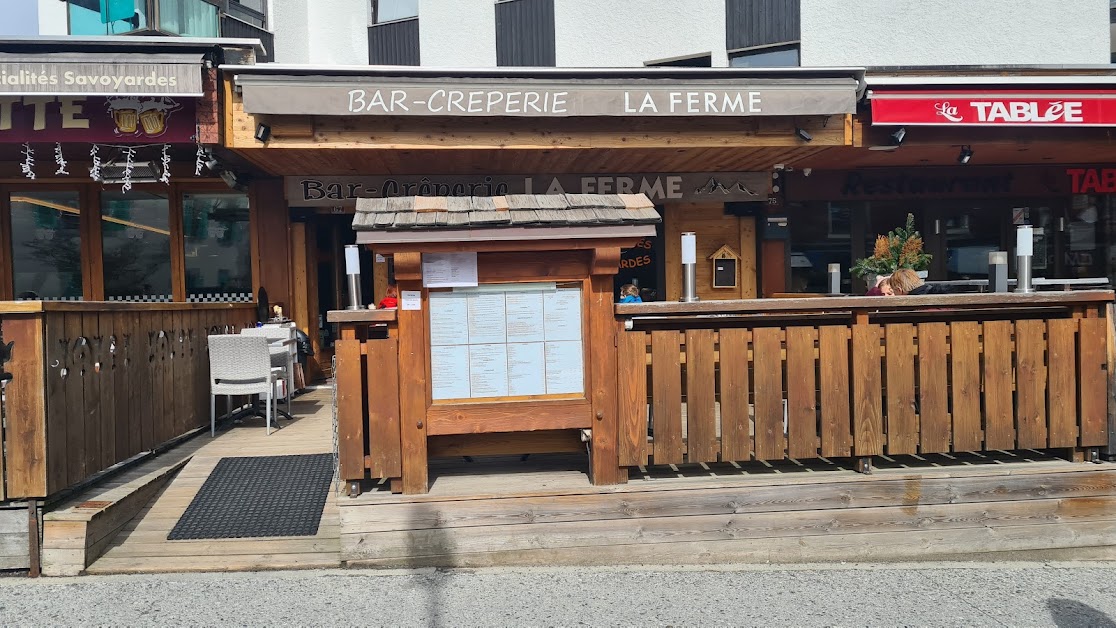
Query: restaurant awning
x=540, y=93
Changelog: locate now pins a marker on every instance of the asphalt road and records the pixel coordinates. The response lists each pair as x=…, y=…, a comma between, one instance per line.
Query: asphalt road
x=1012, y=594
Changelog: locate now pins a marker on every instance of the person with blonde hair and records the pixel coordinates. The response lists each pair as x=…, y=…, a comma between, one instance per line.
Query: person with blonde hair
x=904, y=281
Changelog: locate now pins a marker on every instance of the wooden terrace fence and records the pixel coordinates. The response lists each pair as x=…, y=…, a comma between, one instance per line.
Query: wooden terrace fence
x=859, y=377
x=97, y=383
x=769, y=379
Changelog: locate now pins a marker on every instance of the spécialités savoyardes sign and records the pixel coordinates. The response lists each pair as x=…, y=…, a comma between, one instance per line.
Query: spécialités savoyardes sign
x=547, y=98
x=706, y=186
x=61, y=78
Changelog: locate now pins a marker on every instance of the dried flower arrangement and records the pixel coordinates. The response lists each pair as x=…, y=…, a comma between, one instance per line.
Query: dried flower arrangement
x=900, y=248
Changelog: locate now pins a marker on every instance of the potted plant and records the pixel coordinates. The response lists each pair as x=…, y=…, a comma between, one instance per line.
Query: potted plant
x=900, y=248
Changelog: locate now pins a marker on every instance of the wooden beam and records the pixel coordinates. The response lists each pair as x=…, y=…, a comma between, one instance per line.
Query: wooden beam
x=413, y=384
x=92, y=245
x=177, y=247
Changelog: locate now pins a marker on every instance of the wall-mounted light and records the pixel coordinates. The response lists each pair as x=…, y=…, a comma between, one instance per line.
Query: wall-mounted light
x=211, y=163
x=803, y=135
x=263, y=132
x=898, y=136
x=965, y=155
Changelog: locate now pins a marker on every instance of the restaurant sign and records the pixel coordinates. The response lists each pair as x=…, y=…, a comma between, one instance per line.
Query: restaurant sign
x=117, y=119
x=58, y=77
x=287, y=96
x=719, y=186
x=928, y=183
x=995, y=108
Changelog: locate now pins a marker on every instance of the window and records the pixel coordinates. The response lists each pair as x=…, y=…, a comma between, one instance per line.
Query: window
x=46, y=245
x=218, y=263
x=392, y=10
x=135, y=231
x=820, y=236
x=769, y=57
x=21, y=18
x=107, y=17
x=525, y=33
x=189, y=18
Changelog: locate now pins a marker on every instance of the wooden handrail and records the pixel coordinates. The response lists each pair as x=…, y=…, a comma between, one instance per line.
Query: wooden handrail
x=33, y=307
x=361, y=316
x=878, y=304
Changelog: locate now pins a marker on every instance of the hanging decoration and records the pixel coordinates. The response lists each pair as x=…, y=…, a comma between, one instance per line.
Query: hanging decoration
x=28, y=165
x=200, y=161
x=95, y=169
x=164, y=178
x=59, y=159
x=129, y=164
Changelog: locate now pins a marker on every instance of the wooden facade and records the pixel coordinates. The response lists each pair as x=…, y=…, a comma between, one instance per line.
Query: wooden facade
x=774, y=380
x=97, y=383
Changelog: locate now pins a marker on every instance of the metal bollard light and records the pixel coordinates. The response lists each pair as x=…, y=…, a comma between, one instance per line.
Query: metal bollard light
x=834, y=279
x=1024, y=250
x=998, y=271
x=352, y=269
x=689, y=267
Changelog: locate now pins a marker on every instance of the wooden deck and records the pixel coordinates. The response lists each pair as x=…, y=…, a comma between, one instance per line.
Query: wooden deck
x=142, y=545
x=543, y=511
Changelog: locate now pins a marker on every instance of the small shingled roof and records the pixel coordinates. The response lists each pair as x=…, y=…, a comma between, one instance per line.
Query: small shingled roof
x=428, y=213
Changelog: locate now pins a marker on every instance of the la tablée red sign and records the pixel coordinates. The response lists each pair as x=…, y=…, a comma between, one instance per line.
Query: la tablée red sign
x=995, y=108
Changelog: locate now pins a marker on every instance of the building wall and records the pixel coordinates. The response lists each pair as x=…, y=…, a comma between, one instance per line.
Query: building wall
x=953, y=32
x=628, y=33
x=459, y=33
x=52, y=18
x=310, y=31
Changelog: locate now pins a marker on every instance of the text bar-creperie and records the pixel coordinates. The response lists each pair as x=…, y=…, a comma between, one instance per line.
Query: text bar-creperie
x=995, y=108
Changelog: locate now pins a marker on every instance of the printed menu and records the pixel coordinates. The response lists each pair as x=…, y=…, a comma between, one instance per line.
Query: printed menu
x=506, y=340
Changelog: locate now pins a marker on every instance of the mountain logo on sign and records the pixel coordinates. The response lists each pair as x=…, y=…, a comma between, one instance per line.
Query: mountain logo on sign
x=714, y=186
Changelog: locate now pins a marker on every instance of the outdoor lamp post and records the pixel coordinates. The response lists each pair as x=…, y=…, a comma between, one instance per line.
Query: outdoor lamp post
x=352, y=269
x=689, y=267
x=1024, y=249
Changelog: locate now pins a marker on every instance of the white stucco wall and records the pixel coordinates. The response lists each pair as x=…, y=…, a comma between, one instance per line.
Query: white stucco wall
x=628, y=33
x=321, y=32
x=340, y=33
x=954, y=32
x=288, y=20
x=53, y=21
x=457, y=33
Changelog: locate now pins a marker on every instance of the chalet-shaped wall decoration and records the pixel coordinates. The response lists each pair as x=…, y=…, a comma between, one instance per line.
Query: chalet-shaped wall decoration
x=725, y=264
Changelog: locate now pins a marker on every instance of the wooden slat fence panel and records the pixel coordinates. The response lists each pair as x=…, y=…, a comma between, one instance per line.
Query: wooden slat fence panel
x=999, y=411
x=964, y=347
x=802, y=407
x=631, y=384
x=111, y=382
x=1061, y=398
x=701, y=411
x=783, y=387
x=933, y=389
x=1030, y=387
x=384, y=446
x=736, y=431
x=767, y=348
x=1092, y=382
x=868, y=435
x=666, y=385
x=902, y=422
x=833, y=358
x=350, y=409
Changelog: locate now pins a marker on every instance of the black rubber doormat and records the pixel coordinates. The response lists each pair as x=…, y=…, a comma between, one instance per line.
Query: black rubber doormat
x=259, y=496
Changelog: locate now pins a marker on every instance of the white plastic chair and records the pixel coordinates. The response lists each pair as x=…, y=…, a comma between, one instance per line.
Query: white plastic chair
x=282, y=357
x=239, y=365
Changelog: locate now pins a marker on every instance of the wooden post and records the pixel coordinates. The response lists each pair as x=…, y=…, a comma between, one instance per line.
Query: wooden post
x=1111, y=356
x=605, y=457
x=35, y=562
x=412, y=376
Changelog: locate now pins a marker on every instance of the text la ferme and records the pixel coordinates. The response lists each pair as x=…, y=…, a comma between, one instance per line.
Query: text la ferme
x=528, y=102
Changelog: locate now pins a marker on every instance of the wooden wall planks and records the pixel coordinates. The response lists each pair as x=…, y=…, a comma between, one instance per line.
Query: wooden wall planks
x=96, y=385
x=869, y=388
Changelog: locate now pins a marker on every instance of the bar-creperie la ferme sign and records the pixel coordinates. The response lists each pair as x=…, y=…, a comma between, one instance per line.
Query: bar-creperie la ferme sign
x=547, y=98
